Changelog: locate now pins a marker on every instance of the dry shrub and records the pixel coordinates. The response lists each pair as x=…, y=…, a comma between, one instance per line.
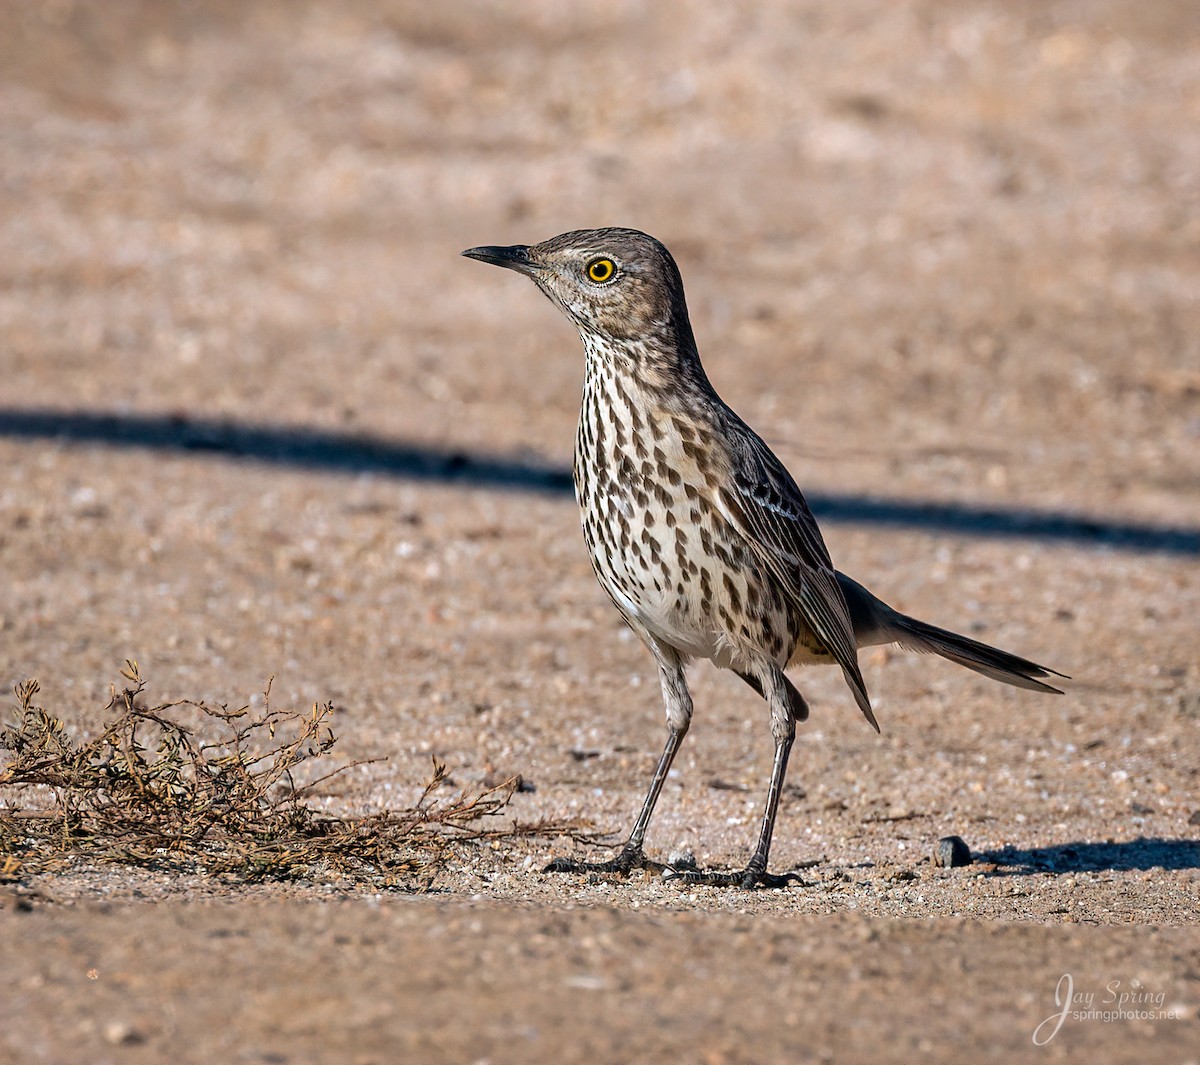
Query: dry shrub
x=151, y=792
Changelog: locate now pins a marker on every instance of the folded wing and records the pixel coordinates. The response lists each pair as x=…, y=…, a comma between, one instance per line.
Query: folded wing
x=764, y=504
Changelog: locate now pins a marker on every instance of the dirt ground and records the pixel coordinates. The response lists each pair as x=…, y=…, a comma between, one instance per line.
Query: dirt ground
x=258, y=418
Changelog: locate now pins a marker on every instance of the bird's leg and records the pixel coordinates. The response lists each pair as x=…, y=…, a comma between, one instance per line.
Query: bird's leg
x=631, y=856
x=797, y=707
x=756, y=874
x=679, y=717
x=787, y=707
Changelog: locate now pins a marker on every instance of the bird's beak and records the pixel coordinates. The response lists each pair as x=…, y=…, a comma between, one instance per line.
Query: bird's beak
x=515, y=257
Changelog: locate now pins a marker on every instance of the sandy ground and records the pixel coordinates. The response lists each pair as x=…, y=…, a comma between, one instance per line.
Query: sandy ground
x=257, y=418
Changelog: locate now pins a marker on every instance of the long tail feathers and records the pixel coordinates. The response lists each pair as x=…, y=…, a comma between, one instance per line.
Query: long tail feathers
x=990, y=661
x=877, y=623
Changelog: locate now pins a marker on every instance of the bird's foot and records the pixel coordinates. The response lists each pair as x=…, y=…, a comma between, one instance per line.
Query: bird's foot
x=748, y=879
x=623, y=864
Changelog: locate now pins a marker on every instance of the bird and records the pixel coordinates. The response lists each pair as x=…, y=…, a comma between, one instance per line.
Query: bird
x=697, y=531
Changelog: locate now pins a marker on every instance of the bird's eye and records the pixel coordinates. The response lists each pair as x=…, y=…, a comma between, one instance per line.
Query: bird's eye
x=601, y=271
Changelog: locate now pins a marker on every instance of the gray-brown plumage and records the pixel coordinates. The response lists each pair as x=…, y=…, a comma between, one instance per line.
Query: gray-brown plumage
x=696, y=530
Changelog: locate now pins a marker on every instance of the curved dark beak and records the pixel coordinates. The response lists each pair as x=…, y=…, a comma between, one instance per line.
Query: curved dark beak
x=515, y=257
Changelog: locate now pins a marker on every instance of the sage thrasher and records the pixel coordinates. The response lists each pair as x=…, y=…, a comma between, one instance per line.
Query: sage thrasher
x=696, y=530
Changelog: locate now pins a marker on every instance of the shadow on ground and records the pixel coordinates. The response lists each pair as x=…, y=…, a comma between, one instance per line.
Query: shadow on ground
x=352, y=453
x=1141, y=853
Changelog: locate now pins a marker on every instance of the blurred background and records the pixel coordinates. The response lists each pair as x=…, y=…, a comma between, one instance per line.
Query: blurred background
x=259, y=419
x=937, y=228
x=936, y=252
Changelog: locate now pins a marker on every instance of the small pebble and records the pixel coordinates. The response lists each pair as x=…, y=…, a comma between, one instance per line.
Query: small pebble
x=682, y=861
x=121, y=1033
x=951, y=851
x=1195, y=818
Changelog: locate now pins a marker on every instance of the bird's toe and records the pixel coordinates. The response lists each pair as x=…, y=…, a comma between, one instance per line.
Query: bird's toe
x=746, y=879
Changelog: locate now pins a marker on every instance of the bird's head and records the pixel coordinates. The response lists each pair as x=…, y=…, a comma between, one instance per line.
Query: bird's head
x=618, y=284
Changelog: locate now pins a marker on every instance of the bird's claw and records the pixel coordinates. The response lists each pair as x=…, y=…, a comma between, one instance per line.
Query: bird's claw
x=622, y=865
x=746, y=879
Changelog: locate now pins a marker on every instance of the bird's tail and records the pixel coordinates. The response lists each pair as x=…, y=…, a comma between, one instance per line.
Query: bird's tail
x=877, y=623
x=981, y=657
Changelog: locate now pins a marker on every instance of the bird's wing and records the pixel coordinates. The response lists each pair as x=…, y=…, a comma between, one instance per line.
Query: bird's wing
x=764, y=504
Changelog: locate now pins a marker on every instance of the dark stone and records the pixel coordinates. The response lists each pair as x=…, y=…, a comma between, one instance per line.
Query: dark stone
x=951, y=851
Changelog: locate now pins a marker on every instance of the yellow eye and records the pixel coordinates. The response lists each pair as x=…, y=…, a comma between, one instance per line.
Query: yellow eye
x=601, y=270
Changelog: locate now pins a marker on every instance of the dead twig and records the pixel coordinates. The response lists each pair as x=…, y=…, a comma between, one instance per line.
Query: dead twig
x=151, y=792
